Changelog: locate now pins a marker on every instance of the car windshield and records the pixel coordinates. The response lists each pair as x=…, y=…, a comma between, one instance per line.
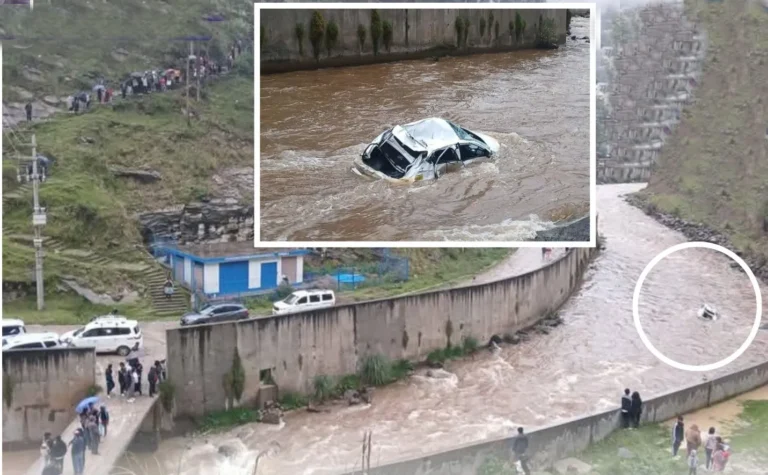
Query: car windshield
x=291, y=299
x=464, y=134
x=78, y=331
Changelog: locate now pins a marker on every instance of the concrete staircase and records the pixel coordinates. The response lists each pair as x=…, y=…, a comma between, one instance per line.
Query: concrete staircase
x=176, y=306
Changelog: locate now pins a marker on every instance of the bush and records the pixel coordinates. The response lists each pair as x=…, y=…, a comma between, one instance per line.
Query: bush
x=331, y=36
x=546, y=35
x=459, y=26
x=482, y=27
x=234, y=379
x=291, y=401
x=436, y=357
x=300, y=37
x=519, y=26
x=470, y=345
x=316, y=33
x=221, y=420
x=361, y=33
x=375, y=30
x=323, y=387
x=94, y=390
x=387, y=34
x=167, y=392
x=347, y=382
x=376, y=370
x=401, y=369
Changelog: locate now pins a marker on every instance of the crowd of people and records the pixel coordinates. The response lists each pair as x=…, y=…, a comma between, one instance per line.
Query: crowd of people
x=716, y=450
x=94, y=421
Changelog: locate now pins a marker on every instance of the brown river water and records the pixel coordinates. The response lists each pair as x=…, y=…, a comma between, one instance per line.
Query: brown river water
x=581, y=367
x=535, y=103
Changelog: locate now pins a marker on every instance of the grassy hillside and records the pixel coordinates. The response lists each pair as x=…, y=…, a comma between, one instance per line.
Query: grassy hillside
x=714, y=170
x=92, y=214
x=64, y=45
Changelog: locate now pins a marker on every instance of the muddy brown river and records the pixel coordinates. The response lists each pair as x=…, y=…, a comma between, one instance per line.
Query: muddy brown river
x=535, y=103
x=581, y=367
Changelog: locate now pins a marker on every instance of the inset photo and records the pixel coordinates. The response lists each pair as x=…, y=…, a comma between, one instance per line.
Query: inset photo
x=425, y=126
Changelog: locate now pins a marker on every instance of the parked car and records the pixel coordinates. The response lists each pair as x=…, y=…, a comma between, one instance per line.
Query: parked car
x=215, y=313
x=13, y=326
x=108, y=334
x=422, y=150
x=303, y=300
x=31, y=341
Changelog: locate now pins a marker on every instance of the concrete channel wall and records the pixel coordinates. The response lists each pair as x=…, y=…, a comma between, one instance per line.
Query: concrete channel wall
x=295, y=348
x=40, y=391
x=552, y=443
x=416, y=33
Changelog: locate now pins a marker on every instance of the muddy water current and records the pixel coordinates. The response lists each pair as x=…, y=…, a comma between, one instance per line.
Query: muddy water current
x=535, y=103
x=580, y=367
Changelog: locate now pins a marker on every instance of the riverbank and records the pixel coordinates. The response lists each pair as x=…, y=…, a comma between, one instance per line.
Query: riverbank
x=296, y=40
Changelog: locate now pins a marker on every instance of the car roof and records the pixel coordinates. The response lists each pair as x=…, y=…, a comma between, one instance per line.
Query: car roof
x=12, y=322
x=302, y=293
x=111, y=320
x=30, y=337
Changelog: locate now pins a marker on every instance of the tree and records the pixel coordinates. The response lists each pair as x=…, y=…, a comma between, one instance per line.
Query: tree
x=361, y=34
x=300, y=37
x=387, y=34
x=316, y=33
x=331, y=36
x=375, y=30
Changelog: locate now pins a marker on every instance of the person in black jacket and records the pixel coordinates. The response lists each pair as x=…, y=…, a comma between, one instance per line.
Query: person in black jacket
x=636, y=409
x=519, y=449
x=678, y=435
x=626, y=408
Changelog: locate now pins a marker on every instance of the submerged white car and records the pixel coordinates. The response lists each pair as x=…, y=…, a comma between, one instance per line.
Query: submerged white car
x=423, y=150
x=708, y=312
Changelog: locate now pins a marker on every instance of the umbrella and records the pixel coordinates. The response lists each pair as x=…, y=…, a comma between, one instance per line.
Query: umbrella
x=85, y=403
x=137, y=75
x=98, y=86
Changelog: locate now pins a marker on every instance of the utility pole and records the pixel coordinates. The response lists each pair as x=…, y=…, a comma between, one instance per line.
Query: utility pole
x=188, y=58
x=197, y=73
x=38, y=221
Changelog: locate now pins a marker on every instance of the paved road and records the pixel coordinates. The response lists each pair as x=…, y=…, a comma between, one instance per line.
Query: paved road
x=522, y=261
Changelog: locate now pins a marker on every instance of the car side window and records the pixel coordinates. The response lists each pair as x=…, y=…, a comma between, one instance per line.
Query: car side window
x=29, y=346
x=92, y=332
x=107, y=332
x=327, y=297
x=302, y=301
x=314, y=299
x=469, y=151
x=50, y=344
x=122, y=331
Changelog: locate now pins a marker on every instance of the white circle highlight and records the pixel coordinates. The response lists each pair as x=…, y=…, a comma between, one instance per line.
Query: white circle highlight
x=660, y=355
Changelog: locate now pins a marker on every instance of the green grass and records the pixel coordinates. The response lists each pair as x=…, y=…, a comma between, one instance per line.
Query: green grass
x=713, y=168
x=223, y=420
x=68, y=309
x=432, y=268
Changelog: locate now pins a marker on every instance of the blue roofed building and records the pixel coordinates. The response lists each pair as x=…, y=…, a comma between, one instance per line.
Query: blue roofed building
x=234, y=269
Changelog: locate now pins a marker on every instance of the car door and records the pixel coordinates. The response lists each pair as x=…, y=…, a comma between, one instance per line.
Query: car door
x=301, y=304
x=107, y=340
x=219, y=314
x=314, y=301
x=90, y=338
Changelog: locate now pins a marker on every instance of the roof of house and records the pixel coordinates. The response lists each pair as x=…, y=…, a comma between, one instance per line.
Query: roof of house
x=233, y=251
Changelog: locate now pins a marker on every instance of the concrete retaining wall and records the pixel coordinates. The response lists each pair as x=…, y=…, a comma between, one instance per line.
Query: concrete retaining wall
x=553, y=443
x=415, y=32
x=297, y=347
x=46, y=385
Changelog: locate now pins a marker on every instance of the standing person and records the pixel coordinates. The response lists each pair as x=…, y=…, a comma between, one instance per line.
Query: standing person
x=678, y=434
x=719, y=457
x=709, y=447
x=100, y=94
x=168, y=287
x=693, y=439
x=123, y=89
x=78, y=452
x=104, y=417
x=121, y=378
x=636, y=409
x=28, y=109
x=519, y=449
x=159, y=369
x=93, y=434
x=152, y=379
x=693, y=462
x=626, y=407
x=76, y=105
x=136, y=381
x=45, y=448
x=110, y=380
x=58, y=452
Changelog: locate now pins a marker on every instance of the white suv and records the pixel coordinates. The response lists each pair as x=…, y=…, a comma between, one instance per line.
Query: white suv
x=303, y=300
x=110, y=334
x=31, y=341
x=12, y=326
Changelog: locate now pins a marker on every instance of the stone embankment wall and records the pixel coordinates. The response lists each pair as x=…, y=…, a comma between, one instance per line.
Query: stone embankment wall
x=553, y=443
x=297, y=347
x=416, y=33
x=654, y=64
x=41, y=389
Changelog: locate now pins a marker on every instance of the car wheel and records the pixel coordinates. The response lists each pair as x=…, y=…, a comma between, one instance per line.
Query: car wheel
x=123, y=351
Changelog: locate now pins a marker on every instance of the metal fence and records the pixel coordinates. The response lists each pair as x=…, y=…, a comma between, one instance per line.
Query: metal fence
x=388, y=269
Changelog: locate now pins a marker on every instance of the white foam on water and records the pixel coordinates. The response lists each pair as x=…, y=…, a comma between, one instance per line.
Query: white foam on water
x=507, y=230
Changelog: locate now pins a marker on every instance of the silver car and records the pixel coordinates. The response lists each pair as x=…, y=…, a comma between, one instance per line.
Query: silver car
x=215, y=313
